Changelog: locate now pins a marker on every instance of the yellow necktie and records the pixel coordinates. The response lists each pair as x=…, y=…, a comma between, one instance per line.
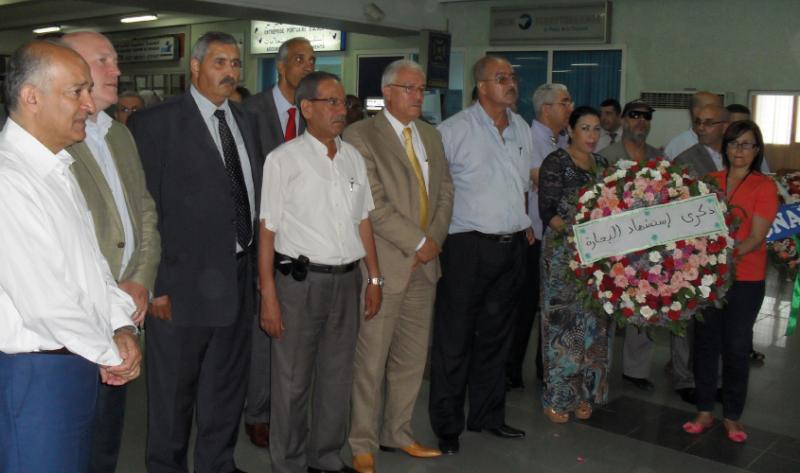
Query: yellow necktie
x=423, y=192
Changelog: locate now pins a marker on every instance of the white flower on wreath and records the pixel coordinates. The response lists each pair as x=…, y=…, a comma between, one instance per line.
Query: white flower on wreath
x=641, y=297
x=665, y=309
x=609, y=308
x=705, y=291
x=607, y=294
x=573, y=265
x=654, y=257
x=702, y=187
x=676, y=306
x=670, y=246
x=587, y=196
x=708, y=280
x=625, y=164
x=647, y=312
x=626, y=299
x=598, y=275
x=712, y=260
x=677, y=179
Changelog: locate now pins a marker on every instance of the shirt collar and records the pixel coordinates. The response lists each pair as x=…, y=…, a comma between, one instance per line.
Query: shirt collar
x=319, y=146
x=281, y=104
x=99, y=129
x=207, y=108
x=397, y=126
x=33, y=152
x=486, y=119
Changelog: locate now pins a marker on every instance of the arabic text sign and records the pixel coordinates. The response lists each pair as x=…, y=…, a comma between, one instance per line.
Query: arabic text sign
x=266, y=37
x=647, y=227
x=786, y=223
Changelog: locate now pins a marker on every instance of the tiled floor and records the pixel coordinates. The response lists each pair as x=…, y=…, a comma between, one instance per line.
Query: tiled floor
x=637, y=432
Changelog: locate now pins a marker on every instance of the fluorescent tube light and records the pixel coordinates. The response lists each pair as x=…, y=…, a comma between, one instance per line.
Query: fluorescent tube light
x=139, y=18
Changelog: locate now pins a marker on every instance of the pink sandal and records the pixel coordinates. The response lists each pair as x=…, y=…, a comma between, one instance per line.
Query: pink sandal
x=736, y=436
x=695, y=427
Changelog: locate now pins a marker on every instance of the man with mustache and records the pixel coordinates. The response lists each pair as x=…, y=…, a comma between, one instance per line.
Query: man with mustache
x=109, y=172
x=490, y=153
x=413, y=196
x=278, y=121
x=200, y=157
x=61, y=312
x=314, y=230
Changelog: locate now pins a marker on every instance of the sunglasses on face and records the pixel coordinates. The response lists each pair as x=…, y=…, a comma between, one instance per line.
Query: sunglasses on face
x=637, y=114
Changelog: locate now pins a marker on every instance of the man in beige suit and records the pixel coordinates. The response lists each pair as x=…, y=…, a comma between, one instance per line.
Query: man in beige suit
x=110, y=175
x=413, y=196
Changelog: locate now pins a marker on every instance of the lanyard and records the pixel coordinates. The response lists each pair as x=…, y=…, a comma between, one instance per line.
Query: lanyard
x=730, y=197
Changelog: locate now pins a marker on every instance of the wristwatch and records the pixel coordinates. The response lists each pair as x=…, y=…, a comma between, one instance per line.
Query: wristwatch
x=376, y=281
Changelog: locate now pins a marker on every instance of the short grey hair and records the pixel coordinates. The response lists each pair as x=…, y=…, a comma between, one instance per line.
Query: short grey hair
x=391, y=71
x=130, y=93
x=25, y=66
x=545, y=93
x=283, y=50
x=200, y=48
x=307, y=88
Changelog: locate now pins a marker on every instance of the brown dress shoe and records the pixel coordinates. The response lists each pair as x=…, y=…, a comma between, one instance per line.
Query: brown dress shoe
x=364, y=463
x=416, y=450
x=258, y=433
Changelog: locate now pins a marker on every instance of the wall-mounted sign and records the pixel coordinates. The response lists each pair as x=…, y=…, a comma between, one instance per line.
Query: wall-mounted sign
x=162, y=48
x=266, y=37
x=435, y=58
x=587, y=23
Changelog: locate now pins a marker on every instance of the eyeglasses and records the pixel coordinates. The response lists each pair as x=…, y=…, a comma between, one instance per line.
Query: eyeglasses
x=637, y=114
x=409, y=89
x=707, y=123
x=564, y=103
x=503, y=79
x=125, y=109
x=747, y=146
x=332, y=101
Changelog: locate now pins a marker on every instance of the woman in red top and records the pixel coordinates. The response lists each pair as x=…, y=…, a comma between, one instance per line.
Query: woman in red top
x=753, y=198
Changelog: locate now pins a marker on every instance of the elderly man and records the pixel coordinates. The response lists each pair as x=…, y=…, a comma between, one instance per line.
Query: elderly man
x=277, y=121
x=129, y=102
x=489, y=149
x=636, y=118
x=413, y=196
x=709, y=125
x=314, y=229
x=688, y=138
x=61, y=312
x=200, y=158
x=610, y=123
x=552, y=104
x=109, y=172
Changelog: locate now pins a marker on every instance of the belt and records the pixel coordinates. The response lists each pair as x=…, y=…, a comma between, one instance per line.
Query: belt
x=499, y=238
x=317, y=268
x=59, y=351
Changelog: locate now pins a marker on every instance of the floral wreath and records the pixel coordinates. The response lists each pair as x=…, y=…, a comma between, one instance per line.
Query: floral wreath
x=664, y=285
x=783, y=253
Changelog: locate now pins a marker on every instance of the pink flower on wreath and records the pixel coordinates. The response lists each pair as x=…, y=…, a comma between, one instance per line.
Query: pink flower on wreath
x=618, y=270
x=690, y=273
x=596, y=213
x=677, y=254
x=665, y=290
x=677, y=279
x=645, y=287
x=621, y=281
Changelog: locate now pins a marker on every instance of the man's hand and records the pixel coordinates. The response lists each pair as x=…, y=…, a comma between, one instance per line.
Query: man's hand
x=271, y=319
x=129, y=369
x=161, y=308
x=140, y=297
x=426, y=253
x=372, y=300
x=530, y=236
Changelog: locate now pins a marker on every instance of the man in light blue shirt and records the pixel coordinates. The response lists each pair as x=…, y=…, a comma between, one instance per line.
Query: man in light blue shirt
x=489, y=149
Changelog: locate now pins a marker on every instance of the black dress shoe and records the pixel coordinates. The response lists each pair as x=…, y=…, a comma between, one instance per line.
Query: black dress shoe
x=345, y=469
x=718, y=395
x=688, y=395
x=449, y=445
x=505, y=431
x=514, y=383
x=642, y=383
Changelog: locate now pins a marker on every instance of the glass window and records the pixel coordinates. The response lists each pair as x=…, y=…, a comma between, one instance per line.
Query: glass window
x=774, y=114
x=531, y=67
x=590, y=76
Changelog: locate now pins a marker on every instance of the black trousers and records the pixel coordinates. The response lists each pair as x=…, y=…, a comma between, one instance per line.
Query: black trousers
x=727, y=332
x=197, y=368
x=475, y=300
x=527, y=307
x=108, y=427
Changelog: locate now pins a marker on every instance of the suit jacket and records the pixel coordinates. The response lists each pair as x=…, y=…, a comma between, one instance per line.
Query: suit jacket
x=698, y=160
x=143, y=264
x=395, y=219
x=264, y=114
x=196, y=212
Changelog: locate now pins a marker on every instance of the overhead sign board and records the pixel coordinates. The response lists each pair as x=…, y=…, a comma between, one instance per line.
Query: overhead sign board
x=266, y=37
x=583, y=23
x=435, y=58
x=161, y=48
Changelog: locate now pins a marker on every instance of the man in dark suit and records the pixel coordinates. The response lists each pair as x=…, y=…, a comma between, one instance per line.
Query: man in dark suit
x=710, y=124
x=201, y=160
x=277, y=121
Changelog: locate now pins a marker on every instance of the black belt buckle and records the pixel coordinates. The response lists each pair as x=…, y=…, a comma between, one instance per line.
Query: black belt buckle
x=300, y=268
x=505, y=238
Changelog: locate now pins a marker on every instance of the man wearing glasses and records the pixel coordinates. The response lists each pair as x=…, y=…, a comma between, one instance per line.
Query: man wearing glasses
x=688, y=138
x=314, y=229
x=129, y=103
x=709, y=124
x=636, y=118
x=489, y=150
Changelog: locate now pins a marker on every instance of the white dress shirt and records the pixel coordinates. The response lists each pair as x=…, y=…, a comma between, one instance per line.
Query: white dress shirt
x=544, y=143
x=56, y=289
x=313, y=203
x=416, y=141
x=716, y=156
x=207, y=109
x=96, y=141
x=680, y=143
x=282, y=106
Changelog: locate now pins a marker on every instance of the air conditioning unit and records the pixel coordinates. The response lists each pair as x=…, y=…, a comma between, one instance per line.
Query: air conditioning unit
x=672, y=113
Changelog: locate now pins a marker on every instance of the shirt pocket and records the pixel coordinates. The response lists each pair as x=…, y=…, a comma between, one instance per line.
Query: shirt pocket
x=354, y=189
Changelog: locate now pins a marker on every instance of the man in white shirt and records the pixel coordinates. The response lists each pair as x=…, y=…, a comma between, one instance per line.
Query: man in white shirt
x=315, y=203
x=109, y=172
x=688, y=138
x=61, y=312
x=610, y=124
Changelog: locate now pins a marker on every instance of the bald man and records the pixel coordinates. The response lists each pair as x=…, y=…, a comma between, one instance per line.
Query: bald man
x=688, y=138
x=61, y=312
x=110, y=175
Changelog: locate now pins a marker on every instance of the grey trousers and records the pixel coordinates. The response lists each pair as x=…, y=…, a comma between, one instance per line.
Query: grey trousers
x=257, y=408
x=320, y=317
x=637, y=354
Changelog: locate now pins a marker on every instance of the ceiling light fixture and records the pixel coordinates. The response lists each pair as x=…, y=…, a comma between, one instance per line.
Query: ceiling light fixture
x=139, y=18
x=47, y=29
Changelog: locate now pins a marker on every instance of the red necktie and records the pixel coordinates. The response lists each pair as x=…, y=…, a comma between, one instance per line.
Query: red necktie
x=291, y=127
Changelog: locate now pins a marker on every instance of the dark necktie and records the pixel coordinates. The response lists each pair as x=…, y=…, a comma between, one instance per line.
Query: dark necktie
x=233, y=166
x=291, y=126
x=613, y=137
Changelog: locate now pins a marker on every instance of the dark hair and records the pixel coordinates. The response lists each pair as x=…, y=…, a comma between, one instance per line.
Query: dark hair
x=738, y=108
x=243, y=91
x=580, y=112
x=737, y=129
x=307, y=88
x=612, y=103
